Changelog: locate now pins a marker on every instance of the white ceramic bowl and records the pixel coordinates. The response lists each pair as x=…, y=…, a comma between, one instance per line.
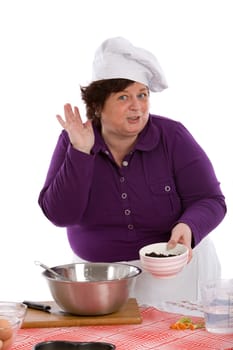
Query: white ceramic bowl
x=164, y=267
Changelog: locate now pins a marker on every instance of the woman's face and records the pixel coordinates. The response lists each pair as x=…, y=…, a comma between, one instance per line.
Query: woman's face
x=126, y=113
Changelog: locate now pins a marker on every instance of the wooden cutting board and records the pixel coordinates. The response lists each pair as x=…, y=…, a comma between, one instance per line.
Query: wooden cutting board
x=128, y=314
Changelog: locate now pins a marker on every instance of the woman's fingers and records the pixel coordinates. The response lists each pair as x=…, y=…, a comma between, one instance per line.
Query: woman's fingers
x=71, y=117
x=61, y=121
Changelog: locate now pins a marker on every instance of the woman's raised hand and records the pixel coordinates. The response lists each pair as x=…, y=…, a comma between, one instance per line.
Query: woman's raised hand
x=81, y=134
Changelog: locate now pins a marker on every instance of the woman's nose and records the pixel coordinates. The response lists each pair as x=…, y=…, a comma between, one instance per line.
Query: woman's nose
x=134, y=103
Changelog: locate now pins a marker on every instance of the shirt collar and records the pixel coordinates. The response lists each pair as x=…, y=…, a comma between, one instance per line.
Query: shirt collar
x=149, y=137
x=147, y=140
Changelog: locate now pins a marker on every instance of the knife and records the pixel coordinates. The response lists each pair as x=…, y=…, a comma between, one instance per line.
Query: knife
x=37, y=306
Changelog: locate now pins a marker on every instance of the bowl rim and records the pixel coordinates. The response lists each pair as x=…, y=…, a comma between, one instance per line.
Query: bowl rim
x=15, y=303
x=137, y=272
x=142, y=253
x=167, y=261
x=18, y=306
x=69, y=342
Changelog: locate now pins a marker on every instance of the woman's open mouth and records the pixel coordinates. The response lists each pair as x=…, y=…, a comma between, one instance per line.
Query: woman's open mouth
x=133, y=119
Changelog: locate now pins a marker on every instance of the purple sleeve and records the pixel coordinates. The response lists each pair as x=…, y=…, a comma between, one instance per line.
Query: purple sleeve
x=202, y=199
x=64, y=196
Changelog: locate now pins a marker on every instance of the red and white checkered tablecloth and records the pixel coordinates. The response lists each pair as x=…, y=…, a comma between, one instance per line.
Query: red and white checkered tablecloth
x=153, y=333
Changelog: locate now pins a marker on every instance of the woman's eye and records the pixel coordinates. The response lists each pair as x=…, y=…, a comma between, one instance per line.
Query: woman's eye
x=123, y=97
x=143, y=95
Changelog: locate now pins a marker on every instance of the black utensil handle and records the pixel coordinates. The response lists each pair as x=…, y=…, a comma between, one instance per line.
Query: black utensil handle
x=37, y=306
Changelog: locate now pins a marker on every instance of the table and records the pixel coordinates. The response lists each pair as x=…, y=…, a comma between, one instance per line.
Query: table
x=153, y=333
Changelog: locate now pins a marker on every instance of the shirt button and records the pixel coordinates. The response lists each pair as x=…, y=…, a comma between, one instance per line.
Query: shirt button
x=130, y=227
x=127, y=212
x=167, y=188
x=125, y=163
x=122, y=179
x=124, y=195
x=106, y=152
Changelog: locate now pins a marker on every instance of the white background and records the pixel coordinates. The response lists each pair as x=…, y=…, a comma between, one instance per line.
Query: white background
x=47, y=47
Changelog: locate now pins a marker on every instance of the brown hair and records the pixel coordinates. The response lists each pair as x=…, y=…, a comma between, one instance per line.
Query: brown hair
x=95, y=95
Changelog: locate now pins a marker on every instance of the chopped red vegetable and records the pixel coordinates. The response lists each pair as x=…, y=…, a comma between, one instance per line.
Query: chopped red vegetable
x=186, y=323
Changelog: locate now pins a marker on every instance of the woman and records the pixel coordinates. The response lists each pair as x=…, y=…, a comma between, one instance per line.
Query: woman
x=126, y=178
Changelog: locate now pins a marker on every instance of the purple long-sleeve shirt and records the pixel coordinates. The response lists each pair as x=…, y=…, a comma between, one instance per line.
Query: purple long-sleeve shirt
x=111, y=212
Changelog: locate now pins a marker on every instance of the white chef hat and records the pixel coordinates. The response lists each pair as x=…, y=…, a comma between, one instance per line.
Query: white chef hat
x=118, y=58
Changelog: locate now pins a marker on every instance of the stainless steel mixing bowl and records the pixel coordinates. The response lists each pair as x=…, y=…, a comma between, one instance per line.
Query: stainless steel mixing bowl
x=92, y=288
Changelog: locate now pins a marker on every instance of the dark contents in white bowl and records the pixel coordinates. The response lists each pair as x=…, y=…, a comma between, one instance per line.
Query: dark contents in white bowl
x=159, y=255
